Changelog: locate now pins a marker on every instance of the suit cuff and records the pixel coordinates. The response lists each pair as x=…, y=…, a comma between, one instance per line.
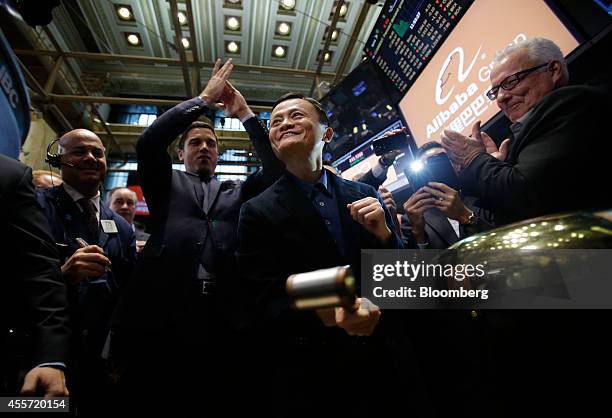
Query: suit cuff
x=247, y=117
x=200, y=100
x=54, y=364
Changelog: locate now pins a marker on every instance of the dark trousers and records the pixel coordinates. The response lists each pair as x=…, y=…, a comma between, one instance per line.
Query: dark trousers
x=195, y=365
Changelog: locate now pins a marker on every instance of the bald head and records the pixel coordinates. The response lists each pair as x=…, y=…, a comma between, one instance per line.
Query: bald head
x=77, y=135
x=83, y=161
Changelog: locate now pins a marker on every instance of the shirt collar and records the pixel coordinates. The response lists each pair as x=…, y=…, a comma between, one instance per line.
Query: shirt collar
x=308, y=187
x=518, y=125
x=75, y=195
x=524, y=118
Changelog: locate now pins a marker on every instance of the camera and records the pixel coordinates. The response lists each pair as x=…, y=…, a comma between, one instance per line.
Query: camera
x=436, y=168
x=383, y=145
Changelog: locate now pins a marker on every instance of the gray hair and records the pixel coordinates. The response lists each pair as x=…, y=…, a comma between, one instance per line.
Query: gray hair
x=539, y=50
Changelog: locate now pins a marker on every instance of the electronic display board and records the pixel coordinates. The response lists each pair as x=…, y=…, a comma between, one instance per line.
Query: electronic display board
x=408, y=33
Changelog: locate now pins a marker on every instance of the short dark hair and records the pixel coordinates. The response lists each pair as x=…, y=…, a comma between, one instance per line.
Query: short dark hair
x=194, y=125
x=317, y=105
x=427, y=146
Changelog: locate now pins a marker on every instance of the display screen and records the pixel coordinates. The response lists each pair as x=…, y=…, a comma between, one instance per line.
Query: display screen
x=358, y=108
x=408, y=33
x=450, y=92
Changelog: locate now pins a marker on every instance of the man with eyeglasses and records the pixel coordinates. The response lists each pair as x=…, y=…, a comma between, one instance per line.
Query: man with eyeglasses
x=556, y=161
x=547, y=164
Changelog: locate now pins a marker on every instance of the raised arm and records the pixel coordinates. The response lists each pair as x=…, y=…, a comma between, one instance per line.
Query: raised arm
x=154, y=161
x=235, y=106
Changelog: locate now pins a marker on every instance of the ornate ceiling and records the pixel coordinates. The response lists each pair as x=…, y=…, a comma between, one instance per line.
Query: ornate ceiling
x=276, y=49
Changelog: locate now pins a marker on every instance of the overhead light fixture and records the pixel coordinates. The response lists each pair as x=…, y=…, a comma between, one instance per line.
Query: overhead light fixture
x=182, y=18
x=288, y=4
x=232, y=23
x=283, y=28
x=124, y=12
x=327, y=57
x=280, y=51
x=334, y=34
x=232, y=47
x=185, y=43
x=234, y=1
x=343, y=10
x=133, y=39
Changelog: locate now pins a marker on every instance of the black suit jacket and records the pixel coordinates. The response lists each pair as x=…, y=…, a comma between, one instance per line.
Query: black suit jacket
x=555, y=164
x=281, y=233
x=161, y=290
x=92, y=301
x=32, y=294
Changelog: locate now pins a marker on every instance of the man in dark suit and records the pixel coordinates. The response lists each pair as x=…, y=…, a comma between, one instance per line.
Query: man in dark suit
x=557, y=160
x=97, y=253
x=32, y=295
x=556, y=154
x=311, y=219
x=176, y=313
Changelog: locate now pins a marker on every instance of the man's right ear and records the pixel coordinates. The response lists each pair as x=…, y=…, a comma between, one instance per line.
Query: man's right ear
x=180, y=154
x=329, y=134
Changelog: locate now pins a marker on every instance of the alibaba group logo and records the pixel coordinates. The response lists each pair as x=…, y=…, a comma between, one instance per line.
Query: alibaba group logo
x=445, y=75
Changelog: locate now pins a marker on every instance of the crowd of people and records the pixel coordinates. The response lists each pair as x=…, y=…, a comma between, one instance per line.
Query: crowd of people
x=199, y=313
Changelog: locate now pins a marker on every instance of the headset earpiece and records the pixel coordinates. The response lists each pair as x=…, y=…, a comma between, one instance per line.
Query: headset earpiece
x=53, y=159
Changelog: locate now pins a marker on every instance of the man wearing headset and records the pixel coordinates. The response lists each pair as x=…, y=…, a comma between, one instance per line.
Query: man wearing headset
x=97, y=249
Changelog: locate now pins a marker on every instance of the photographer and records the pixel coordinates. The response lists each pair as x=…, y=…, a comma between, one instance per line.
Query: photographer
x=437, y=215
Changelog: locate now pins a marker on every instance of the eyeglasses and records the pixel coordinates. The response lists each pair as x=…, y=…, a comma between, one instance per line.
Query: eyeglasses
x=512, y=80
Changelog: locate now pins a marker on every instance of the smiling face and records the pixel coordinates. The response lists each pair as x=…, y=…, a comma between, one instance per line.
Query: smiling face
x=296, y=133
x=200, y=152
x=532, y=87
x=84, y=162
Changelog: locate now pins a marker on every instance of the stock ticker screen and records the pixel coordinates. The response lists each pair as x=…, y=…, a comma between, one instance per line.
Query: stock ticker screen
x=408, y=33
